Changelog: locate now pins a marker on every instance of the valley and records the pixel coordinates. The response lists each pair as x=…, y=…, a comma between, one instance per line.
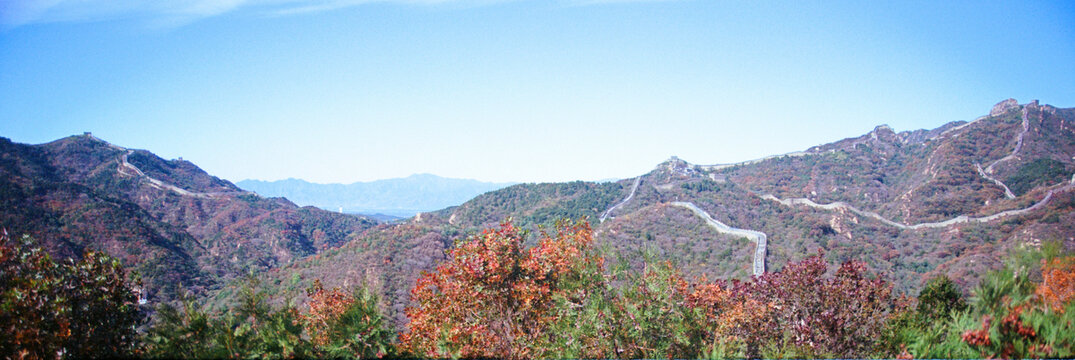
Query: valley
x=399, y=197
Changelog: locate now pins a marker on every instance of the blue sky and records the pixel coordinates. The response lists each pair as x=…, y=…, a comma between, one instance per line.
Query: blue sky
x=344, y=91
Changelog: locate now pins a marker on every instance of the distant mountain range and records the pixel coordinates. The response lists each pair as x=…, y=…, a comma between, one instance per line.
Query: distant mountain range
x=400, y=197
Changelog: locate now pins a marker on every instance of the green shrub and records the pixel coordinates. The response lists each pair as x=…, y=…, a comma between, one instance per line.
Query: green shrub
x=250, y=330
x=1037, y=172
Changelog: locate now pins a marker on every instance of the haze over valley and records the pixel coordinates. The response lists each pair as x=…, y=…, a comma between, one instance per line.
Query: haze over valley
x=397, y=198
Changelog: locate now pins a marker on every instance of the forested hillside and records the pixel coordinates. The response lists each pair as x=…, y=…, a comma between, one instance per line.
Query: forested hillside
x=179, y=228
x=910, y=205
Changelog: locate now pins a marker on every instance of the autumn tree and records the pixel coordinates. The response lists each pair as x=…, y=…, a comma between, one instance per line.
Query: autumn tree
x=815, y=315
x=733, y=316
x=1058, y=282
x=325, y=306
x=78, y=309
x=658, y=313
x=492, y=298
x=347, y=325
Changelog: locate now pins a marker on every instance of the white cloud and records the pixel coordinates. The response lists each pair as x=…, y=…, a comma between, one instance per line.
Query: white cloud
x=19, y=12
x=212, y=7
x=22, y=12
x=16, y=13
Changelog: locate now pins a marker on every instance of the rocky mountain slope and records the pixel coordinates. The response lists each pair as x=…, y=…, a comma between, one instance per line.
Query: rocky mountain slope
x=403, y=197
x=179, y=228
x=912, y=204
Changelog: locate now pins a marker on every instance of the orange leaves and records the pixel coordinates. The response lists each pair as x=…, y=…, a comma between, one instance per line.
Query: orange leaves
x=705, y=294
x=729, y=316
x=1023, y=319
x=1013, y=324
x=325, y=306
x=492, y=298
x=979, y=337
x=555, y=256
x=1058, y=282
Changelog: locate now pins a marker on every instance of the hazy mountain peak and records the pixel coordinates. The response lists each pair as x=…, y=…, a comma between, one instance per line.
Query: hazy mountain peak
x=424, y=176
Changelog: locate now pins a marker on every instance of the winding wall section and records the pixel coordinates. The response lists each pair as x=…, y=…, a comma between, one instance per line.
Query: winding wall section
x=124, y=164
x=940, y=224
x=758, y=237
x=638, y=180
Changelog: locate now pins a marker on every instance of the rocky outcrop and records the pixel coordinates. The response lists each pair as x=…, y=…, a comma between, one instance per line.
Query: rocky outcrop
x=675, y=166
x=1003, y=107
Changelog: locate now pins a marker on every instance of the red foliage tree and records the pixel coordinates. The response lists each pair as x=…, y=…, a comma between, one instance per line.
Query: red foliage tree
x=841, y=316
x=492, y=298
x=325, y=307
x=1058, y=282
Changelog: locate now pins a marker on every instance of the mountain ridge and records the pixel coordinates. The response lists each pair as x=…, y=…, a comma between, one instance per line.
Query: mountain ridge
x=820, y=198
x=988, y=185
x=180, y=228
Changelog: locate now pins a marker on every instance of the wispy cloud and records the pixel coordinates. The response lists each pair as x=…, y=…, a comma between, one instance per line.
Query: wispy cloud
x=313, y=6
x=22, y=12
x=599, y=2
x=14, y=13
